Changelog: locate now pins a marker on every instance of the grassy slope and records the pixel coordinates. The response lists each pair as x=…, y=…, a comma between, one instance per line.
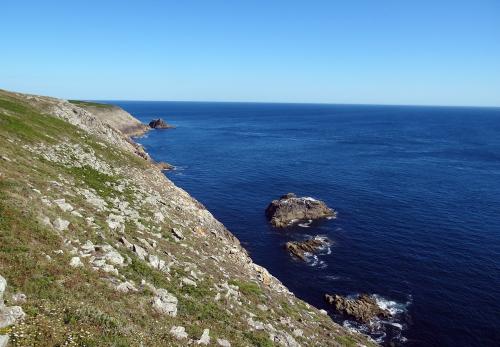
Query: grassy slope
x=77, y=306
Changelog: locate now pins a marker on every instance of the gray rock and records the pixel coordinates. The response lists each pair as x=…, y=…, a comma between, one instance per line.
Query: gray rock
x=4, y=340
x=178, y=332
x=19, y=298
x=3, y=286
x=10, y=315
x=223, y=343
x=165, y=303
x=188, y=282
x=283, y=338
x=126, y=287
x=177, y=234
x=290, y=209
x=114, y=258
x=63, y=205
x=61, y=224
x=127, y=244
x=75, y=262
x=205, y=338
x=141, y=252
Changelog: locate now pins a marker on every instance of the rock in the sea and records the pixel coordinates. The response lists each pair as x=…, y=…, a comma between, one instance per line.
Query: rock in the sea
x=300, y=249
x=290, y=209
x=362, y=309
x=159, y=124
x=164, y=166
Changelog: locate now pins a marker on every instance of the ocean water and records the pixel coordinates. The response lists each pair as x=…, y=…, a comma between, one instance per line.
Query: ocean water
x=417, y=190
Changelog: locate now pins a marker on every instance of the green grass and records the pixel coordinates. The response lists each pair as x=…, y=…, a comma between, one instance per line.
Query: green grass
x=90, y=103
x=94, y=179
x=258, y=339
x=346, y=341
x=247, y=288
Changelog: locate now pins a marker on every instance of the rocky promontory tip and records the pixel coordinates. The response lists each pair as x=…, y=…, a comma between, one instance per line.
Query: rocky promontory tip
x=160, y=124
x=290, y=209
x=362, y=309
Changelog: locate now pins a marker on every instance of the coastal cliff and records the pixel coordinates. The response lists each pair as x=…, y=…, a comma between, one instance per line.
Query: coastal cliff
x=107, y=251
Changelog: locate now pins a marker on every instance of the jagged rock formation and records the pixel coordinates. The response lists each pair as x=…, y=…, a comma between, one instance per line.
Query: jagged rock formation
x=290, y=209
x=159, y=124
x=362, y=309
x=110, y=252
x=300, y=249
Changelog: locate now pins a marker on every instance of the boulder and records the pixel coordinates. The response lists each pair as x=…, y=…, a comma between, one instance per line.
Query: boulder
x=290, y=209
x=205, y=338
x=362, y=309
x=178, y=332
x=300, y=249
x=75, y=262
x=159, y=124
x=8, y=315
x=223, y=343
x=165, y=303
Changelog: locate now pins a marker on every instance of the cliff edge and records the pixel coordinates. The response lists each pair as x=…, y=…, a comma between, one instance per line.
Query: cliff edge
x=106, y=251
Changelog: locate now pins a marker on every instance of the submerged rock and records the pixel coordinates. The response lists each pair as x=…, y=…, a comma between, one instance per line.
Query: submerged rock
x=159, y=124
x=164, y=166
x=362, y=309
x=300, y=248
x=290, y=209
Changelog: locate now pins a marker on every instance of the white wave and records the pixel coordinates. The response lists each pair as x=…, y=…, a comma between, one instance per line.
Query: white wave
x=393, y=307
x=306, y=224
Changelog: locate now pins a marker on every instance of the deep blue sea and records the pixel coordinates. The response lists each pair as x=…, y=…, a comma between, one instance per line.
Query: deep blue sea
x=417, y=190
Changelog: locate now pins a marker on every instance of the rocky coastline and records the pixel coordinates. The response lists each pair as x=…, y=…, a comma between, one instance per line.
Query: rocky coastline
x=107, y=251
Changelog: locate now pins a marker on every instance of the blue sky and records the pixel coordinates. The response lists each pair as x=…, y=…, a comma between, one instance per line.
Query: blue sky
x=353, y=51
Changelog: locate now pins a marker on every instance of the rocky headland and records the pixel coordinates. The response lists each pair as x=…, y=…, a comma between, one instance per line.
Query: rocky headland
x=290, y=209
x=99, y=248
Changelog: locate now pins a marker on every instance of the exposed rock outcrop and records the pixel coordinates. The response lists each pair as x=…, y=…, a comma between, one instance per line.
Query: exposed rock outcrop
x=160, y=124
x=290, y=209
x=362, y=309
x=300, y=249
x=115, y=116
x=9, y=315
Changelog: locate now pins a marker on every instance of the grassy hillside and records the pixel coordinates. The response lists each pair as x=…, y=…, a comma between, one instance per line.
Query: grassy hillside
x=93, y=234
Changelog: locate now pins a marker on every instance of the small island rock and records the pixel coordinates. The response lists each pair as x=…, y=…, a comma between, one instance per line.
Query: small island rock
x=362, y=309
x=290, y=209
x=159, y=124
x=300, y=248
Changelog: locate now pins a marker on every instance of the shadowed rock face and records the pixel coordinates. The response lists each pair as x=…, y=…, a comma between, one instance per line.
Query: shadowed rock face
x=159, y=124
x=362, y=309
x=300, y=248
x=290, y=209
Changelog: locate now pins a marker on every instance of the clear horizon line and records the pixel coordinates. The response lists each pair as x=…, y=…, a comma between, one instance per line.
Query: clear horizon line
x=290, y=102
